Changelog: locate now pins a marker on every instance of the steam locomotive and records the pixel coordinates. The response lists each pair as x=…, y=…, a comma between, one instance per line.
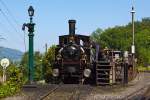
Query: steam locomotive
x=80, y=60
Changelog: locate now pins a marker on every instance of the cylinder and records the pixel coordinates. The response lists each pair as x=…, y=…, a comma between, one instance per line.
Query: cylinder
x=72, y=27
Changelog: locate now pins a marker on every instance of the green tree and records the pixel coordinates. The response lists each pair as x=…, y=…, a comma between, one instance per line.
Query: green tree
x=24, y=65
x=48, y=61
x=37, y=65
x=42, y=64
x=120, y=38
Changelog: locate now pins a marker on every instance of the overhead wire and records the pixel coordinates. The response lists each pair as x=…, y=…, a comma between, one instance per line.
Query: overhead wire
x=15, y=21
x=10, y=24
x=13, y=18
x=6, y=30
x=7, y=19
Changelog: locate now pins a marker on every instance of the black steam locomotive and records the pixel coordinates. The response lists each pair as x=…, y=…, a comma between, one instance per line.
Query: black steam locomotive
x=79, y=60
x=73, y=57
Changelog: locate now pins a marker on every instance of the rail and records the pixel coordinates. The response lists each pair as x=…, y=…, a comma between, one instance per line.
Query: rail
x=50, y=92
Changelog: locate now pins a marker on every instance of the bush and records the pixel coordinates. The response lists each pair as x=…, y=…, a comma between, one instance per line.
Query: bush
x=14, y=82
x=8, y=89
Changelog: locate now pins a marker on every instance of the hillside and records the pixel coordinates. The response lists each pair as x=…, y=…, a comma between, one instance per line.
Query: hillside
x=12, y=54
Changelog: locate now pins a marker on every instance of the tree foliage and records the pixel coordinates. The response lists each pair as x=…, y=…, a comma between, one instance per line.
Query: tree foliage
x=37, y=65
x=48, y=61
x=120, y=38
x=14, y=81
x=42, y=64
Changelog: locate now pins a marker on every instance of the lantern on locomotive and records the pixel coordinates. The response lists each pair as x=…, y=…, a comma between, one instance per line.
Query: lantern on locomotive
x=73, y=57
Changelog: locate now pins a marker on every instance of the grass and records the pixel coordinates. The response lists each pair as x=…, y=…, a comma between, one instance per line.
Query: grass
x=142, y=69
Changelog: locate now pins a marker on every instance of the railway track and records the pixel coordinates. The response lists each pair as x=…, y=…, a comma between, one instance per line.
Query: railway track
x=137, y=90
x=142, y=93
x=68, y=92
x=146, y=95
x=34, y=93
x=49, y=92
x=137, y=95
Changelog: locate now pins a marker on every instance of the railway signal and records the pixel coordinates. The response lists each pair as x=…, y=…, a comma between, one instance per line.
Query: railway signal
x=30, y=27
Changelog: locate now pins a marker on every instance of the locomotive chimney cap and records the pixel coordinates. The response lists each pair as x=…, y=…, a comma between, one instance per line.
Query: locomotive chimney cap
x=72, y=21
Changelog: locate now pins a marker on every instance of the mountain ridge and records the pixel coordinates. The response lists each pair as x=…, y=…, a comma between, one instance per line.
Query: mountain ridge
x=11, y=54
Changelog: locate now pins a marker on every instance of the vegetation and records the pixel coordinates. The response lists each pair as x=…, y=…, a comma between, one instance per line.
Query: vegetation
x=37, y=65
x=17, y=76
x=142, y=69
x=120, y=38
x=13, y=83
x=48, y=61
x=42, y=65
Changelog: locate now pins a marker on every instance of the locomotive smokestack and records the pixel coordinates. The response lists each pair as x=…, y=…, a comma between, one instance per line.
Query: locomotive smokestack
x=72, y=27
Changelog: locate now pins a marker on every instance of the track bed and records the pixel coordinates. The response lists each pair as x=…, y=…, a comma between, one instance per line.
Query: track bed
x=69, y=92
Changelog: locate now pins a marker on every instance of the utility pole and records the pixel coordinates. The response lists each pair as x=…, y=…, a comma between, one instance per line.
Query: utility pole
x=30, y=27
x=133, y=37
x=46, y=48
x=43, y=69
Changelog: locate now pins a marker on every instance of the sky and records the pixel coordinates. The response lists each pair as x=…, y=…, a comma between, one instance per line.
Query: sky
x=51, y=18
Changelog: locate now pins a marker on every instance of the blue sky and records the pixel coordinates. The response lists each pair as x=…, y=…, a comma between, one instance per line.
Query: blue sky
x=51, y=18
